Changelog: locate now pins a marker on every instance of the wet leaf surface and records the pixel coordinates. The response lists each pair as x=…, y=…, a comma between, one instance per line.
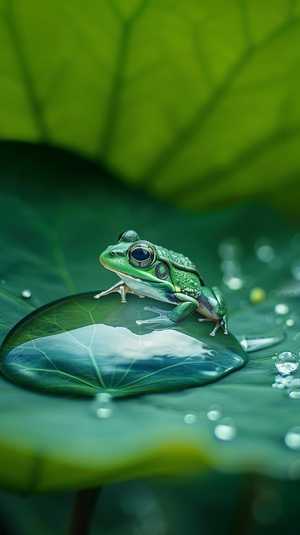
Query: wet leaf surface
x=51, y=246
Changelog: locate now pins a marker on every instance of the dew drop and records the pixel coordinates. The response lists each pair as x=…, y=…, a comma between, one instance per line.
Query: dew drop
x=292, y=439
x=294, y=394
x=189, y=418
x=282, y=309
x=214, y=413
x=225, y=430
x=257, y=295
x=104, y=412
x=286, y=362
x=234, y=283
x=26, y=293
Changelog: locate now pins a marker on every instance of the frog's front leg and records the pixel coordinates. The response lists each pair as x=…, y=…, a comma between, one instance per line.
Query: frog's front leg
x=120, y=288
x=182, y=311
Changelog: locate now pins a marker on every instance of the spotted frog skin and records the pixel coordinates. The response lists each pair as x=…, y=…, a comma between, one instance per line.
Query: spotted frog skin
x=149, y=270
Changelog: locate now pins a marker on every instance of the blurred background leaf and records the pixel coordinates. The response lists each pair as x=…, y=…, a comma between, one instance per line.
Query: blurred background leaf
x=195, y=102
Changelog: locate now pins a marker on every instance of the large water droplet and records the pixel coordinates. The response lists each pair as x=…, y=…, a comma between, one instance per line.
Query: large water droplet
x=81, y=346
x=286, y=362
x=292, y=438
x=255, y=343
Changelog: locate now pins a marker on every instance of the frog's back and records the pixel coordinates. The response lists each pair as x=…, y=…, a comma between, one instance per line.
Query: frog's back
x=177, y=259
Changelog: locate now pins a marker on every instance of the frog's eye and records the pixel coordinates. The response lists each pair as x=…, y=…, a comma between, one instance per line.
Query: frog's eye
x=141, y=255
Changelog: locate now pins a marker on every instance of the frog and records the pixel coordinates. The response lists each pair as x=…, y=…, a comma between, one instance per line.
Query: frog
x=150, y=270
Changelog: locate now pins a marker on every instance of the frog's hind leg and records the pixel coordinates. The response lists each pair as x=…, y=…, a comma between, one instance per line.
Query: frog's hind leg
x=120, y=288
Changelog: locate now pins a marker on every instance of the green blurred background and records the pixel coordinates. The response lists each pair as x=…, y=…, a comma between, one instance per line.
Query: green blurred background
x=195, y=103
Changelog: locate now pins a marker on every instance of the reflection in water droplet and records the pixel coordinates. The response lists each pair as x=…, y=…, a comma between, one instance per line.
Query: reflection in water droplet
x=264, y=252
x=292, y=438
x=281, y=309
x=189, y=418
x=79, y=346
x=214, y=413
x=286, y=362
x=26, y=294
x=225, y=430
x=257, y=295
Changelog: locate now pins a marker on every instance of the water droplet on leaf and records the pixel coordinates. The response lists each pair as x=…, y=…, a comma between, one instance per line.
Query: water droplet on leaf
x=281, y=309
x=83, y=347
x=26, y=294
x=190, y=418
x=214, y=414
x=292, y=438
x=286, y=362
x=225, y=430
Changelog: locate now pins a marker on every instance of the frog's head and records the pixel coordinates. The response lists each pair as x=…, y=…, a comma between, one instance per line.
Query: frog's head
x=131, y=256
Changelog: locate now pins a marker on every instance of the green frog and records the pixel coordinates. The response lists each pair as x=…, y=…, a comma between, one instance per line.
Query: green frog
x=149, y=270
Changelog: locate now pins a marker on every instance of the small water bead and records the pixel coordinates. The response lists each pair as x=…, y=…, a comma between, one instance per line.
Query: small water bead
x=290, y=322
x=189, y=418
x=286, y=362
x=26, y=293
x=225, y=430
x=294, y=394
x=233, y=282
x=104, y=412
x=282, y=309
x=214, y=413
x=292, y=439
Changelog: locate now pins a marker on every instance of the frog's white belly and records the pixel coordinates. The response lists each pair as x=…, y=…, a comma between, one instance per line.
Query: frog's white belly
x=147, y=289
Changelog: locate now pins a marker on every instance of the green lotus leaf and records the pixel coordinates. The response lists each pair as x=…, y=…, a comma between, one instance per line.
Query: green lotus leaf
x=50, y=245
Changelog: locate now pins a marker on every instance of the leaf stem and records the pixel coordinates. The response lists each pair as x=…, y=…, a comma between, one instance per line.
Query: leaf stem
x=83, y=508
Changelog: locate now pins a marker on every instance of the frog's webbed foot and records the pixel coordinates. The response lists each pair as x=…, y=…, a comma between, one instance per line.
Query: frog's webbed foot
x=220, y=323
x=162, y=318
x=120, y=288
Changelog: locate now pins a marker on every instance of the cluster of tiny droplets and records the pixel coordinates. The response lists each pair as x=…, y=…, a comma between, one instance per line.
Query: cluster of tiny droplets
x=224, y=428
